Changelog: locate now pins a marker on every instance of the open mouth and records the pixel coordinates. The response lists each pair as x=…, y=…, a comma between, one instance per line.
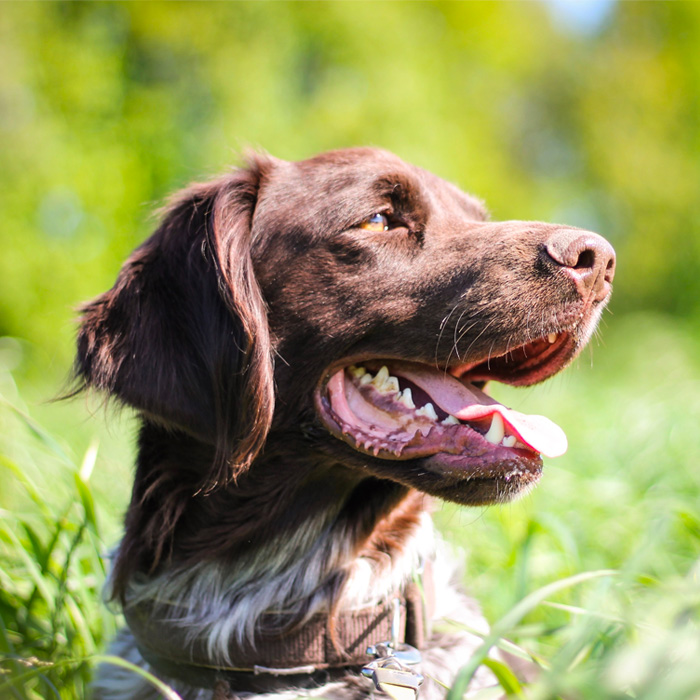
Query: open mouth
x=400, y=410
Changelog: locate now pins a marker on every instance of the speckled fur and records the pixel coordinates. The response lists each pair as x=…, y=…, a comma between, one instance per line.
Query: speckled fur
x=445, y=652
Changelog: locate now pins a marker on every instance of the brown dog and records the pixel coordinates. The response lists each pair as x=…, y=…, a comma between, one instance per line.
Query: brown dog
x=307, y=346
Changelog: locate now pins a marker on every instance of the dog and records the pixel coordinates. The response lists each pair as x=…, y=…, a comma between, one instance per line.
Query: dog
x=307, y=345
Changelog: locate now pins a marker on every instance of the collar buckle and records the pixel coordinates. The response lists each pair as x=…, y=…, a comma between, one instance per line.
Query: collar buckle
x=389, y=671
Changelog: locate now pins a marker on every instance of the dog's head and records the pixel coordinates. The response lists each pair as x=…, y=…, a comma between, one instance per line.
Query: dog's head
x=351, y=306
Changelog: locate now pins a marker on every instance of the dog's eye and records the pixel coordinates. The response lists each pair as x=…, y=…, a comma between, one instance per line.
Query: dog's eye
x=375, y=223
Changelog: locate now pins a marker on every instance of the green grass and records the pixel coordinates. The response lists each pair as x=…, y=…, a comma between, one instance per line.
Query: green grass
x=595, y=574
x=53, y=565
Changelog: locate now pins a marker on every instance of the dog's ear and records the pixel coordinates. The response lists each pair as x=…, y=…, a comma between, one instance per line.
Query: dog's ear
x=183, y=336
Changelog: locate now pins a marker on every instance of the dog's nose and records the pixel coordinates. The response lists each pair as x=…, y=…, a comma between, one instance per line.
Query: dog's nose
x=587, y=257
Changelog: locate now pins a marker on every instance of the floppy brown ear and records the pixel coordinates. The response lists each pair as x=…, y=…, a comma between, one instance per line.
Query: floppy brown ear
x=183, y=336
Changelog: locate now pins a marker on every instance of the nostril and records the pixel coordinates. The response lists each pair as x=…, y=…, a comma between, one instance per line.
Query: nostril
x=586, y=260
x=610, y=269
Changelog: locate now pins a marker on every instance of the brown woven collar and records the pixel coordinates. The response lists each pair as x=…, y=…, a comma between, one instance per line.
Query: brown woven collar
x=318, y=651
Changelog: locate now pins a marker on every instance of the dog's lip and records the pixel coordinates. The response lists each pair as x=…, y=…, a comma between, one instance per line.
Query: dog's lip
x=502, y=364
x=525, y=364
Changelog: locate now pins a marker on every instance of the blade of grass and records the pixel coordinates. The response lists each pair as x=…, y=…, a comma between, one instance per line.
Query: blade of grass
x=165, y=690
x=32, y=569
x=81, y=625
x=504, y=644
x=28, y=485
x=87, y=501
x=510, y=620
x=63, y=579
x=88, y=463
x=505, y=677
x=45, y=560
x=45, y=438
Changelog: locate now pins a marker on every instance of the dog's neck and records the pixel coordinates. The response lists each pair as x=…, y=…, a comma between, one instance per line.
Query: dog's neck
x=319, y=539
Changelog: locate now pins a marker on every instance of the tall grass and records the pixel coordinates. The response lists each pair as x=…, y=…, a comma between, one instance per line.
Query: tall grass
x=53, y=567
x=595, y=575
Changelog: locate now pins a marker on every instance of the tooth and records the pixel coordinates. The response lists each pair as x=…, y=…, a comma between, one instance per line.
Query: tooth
x=366, y=378
x=496, y=431
x=450, y=420
x=382, y=376
x=380, y=380
x=406, y=398
x=509, y=441
x=391, y=384
x=552, y=338
x=385, y=383
x=357, y=372
x=428, y=411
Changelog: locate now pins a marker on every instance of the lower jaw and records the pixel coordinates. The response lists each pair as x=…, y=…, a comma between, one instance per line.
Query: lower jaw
x=486, y=491
x=469, y=480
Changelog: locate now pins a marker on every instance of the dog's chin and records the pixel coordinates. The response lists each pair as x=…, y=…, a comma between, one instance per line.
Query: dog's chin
x=435, y=429
x=474, y=483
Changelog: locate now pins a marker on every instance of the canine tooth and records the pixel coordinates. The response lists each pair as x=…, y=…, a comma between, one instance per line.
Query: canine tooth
x=357, y=372
x=450, y=420
x=383, y=374
x=406, y=398
x=381, y=378
x=509, y=441
x=496, y=431
x=428, y=411
x=552, y=338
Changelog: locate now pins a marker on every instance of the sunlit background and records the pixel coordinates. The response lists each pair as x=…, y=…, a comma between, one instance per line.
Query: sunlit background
x=584, y=113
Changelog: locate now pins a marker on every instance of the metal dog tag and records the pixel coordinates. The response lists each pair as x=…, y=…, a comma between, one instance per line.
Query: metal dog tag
x=398, y=683
x=388, y=671
x=392, y=676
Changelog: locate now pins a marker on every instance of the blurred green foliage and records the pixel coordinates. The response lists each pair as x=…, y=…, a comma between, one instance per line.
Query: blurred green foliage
x=584, y=113
x=107, y=107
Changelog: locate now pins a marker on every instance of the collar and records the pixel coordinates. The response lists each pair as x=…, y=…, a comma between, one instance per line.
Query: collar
x=319, y=650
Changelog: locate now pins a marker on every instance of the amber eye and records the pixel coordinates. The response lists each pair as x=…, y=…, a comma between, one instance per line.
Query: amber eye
x=375, y=223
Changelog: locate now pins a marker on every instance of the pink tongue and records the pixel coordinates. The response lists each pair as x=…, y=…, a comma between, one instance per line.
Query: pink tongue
x=466, y=402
